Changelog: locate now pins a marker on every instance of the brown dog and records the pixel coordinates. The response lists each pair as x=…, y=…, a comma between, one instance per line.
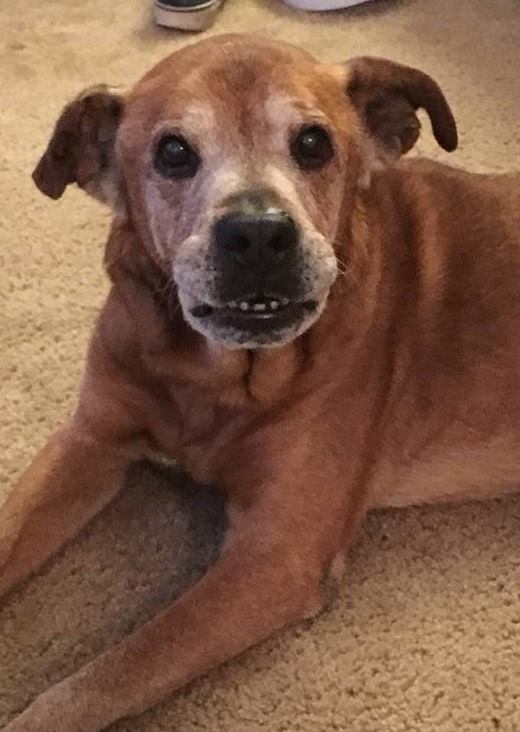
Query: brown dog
x=294, y=316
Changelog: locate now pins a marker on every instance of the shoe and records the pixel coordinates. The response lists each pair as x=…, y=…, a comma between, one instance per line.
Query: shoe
x=317, y=5
x=189, y=15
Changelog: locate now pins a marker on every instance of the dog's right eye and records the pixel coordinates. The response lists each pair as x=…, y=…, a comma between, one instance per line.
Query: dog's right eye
x=175, y=158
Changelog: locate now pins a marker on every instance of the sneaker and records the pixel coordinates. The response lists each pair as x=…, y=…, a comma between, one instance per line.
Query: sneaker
x=190, y=15
x=318, y=5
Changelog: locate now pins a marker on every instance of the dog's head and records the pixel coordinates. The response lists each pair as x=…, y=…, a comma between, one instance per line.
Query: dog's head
x=238, y=160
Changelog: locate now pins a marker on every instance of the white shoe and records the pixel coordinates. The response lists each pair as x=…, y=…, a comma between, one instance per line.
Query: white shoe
x=317, y=5
x=189, y=15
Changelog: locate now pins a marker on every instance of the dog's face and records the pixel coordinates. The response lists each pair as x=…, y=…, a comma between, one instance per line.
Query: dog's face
x=238, y=160
x=240, y=180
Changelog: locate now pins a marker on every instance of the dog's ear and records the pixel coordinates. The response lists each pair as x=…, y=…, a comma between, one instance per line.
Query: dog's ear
x=82, y=148
x=387, y=96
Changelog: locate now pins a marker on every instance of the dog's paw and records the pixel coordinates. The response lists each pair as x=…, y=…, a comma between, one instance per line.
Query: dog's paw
x=52, y=711
x=34, y=720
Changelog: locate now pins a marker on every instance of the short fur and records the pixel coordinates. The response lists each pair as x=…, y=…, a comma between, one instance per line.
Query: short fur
x=403, y=390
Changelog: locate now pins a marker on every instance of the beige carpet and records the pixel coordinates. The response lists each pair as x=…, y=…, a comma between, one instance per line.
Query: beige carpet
x=426, y=634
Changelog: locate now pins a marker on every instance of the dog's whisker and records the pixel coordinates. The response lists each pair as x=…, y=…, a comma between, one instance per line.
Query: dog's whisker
x=343, y=269
x=165, y=288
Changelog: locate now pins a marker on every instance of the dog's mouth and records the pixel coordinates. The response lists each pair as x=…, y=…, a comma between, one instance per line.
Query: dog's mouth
x=256, y=314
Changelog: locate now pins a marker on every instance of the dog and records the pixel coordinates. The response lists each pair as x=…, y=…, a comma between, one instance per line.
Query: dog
x=296, y=316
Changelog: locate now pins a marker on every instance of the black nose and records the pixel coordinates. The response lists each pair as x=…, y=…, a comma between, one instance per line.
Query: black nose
x=258, y=241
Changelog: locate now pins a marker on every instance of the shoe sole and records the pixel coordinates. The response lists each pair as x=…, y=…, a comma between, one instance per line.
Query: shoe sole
x=189, y=19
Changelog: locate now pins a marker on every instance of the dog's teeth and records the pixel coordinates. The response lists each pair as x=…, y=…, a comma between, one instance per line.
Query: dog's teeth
x=233, y=304
x=260, y=306
x=274, y=304
x=244, y=305
x=285, y=301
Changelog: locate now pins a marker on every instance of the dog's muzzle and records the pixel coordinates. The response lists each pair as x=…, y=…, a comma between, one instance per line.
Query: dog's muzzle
x=259, y=264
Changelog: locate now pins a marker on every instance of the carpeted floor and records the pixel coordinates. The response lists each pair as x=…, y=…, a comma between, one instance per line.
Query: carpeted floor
x=426, y=634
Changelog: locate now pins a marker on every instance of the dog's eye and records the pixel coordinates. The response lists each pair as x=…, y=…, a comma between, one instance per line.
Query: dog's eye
x=312, y=148
x=175, y=158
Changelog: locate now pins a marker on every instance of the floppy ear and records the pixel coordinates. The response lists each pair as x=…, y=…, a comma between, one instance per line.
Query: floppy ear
x=387, y=96
x=82, y=148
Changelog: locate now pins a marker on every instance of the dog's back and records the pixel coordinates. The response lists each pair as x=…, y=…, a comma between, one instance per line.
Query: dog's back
x=453, y=255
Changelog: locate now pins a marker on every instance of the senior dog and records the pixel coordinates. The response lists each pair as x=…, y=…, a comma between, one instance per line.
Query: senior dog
x=296, y=316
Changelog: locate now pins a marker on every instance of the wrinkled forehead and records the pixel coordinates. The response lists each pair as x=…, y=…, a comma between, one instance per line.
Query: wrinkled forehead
x=231, y=90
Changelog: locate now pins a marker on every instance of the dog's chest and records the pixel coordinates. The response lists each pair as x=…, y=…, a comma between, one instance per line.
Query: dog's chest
x=197, y=432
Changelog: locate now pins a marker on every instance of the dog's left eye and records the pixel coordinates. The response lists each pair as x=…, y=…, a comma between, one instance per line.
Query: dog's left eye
x=312, y=147
x=175, y=158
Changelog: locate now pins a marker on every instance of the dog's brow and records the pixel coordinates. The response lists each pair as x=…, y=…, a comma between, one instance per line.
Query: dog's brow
x=283, y=110
x=197, y=119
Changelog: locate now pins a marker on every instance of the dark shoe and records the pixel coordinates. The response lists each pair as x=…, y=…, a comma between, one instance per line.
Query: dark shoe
x=190, y=15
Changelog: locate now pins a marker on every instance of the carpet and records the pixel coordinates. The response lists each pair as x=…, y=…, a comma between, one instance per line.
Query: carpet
x=425, y=635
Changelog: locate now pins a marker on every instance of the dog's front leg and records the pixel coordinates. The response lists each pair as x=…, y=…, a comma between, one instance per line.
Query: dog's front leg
x=269, y=575
x=72, y=478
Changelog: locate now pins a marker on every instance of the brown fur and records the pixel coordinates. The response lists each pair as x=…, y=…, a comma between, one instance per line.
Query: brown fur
x=404, y=391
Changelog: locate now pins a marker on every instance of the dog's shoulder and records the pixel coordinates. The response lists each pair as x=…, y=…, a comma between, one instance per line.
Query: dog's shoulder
x=437, y=172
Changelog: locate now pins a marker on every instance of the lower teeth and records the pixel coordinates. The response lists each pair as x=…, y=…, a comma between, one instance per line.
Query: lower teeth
x=257, y=307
